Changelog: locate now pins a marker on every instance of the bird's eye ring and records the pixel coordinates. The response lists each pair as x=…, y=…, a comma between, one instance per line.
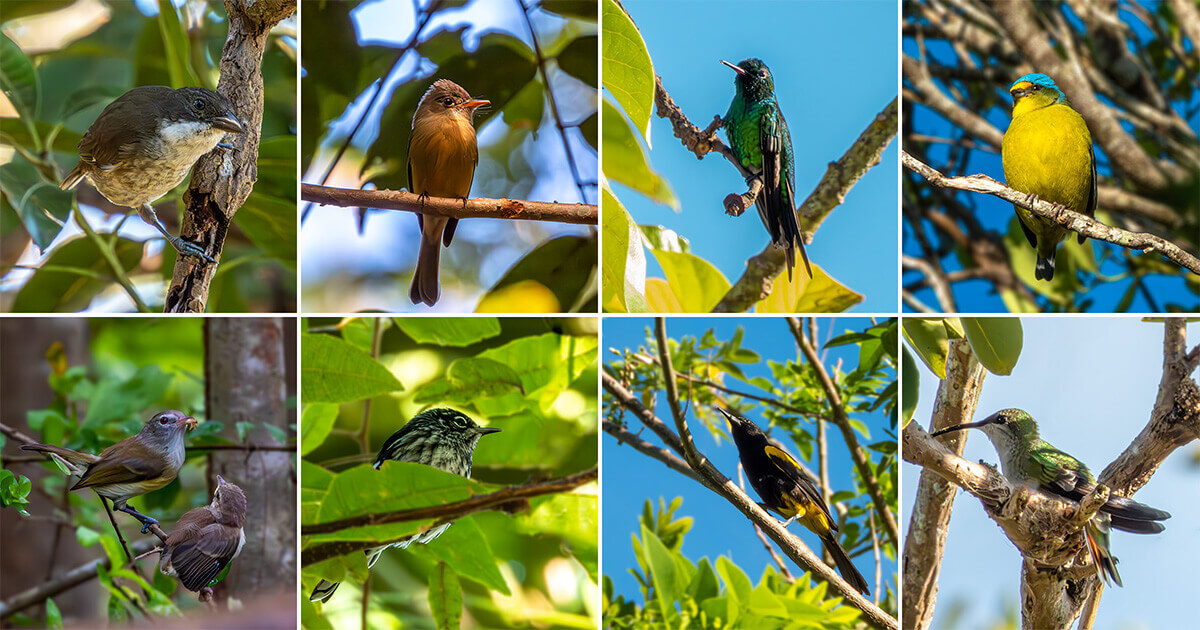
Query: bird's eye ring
x=198, y=103
x=164, y=421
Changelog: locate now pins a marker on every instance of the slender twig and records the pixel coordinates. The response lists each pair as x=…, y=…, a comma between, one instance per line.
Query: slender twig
x=842, y=421
x=624, y=436
x=363, y=435
x=479, y=208
x=558, y=122
x=114, y=264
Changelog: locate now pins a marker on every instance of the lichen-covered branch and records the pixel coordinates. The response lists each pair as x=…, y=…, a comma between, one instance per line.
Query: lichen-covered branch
x=1073, y=221
x=512, y=209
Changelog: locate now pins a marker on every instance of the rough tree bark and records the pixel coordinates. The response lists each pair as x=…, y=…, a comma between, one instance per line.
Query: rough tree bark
x=222, y=181
x=246, y=372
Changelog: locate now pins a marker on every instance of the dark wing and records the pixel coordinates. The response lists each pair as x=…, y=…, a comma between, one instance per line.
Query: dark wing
x=790, y=469
x=121, y=129
x=770, y=200
x=390, y=448
x=1093, y=198
x=201, y=558
x=112, y=470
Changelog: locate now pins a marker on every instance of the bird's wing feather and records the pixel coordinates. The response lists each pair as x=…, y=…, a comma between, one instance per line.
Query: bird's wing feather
x=1093, y=198
x=119, y=470
x=788, y=466
x=772, y=195
x=199, y=559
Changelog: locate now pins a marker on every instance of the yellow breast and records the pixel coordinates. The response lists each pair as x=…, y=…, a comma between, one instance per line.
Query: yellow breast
x=1047, y=152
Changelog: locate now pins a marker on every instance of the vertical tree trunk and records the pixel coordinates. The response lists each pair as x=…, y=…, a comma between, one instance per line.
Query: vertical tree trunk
x=246, y=372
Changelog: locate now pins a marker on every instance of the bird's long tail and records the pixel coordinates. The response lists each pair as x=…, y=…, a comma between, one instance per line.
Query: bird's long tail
x=844, y=566
x=425, y=277
x=71, y=462
x=1096, y=533
x=1128, y=515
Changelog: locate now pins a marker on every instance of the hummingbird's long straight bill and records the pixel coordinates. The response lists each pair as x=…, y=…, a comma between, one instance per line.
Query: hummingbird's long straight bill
x=959, y=427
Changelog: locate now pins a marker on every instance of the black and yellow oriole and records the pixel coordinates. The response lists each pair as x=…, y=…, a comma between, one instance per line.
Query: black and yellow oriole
x=787, y=490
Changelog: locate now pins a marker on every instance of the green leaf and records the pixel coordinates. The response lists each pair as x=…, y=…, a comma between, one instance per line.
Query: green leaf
x=575, y=518
x=334, y=371
x=464, y=547
x=176, y=45
x=819, y=294
x=578, y=58
x=911, y=381
x=626, y=162
x=41, y=205
x=661, y=238
x=996, y=341
x=927, y=336
x=628, y=71
x=470, y=379
x=315, y=424
x=449, y=331
x=54, y=618
x=623, y=265
x=662, y=571
x=696, y=283
x=445, y=598
x=86, y=536
x=548, y=279
x=270, y=223
x=18, y=80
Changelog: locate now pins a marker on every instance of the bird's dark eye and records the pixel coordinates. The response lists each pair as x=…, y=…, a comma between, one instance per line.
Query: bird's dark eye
x=1036, y=88
x=198, y=104
x=164, y=421
x=447, y=101
x=762, y=73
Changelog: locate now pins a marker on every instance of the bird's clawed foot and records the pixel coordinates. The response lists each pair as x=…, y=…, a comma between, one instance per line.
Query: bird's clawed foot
x=187, y=248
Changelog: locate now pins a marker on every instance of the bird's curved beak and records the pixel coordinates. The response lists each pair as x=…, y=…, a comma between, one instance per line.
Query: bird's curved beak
x=190, y=422
x=474, y=104
x=229, y=123
x=734, y=67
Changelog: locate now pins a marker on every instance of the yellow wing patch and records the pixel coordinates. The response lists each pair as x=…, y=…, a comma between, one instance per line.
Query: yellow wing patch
x=772, y=451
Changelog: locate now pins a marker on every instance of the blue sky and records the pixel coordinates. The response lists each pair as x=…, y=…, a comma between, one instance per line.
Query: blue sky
x=834, y=71
x=995, y=214
x=631, y=478
x=1090, y=382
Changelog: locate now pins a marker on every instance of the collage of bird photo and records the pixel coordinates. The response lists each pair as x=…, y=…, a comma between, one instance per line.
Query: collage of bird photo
x=599, y=314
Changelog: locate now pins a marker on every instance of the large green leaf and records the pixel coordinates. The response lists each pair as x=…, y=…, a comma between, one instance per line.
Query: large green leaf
x=315, y=424
x=911, y=380
x=628, y=71
x=449, y=331
x=470, y=379
x=801, y=294
x=546, y=364
x=42, y=205
x=578, y=58
x=623, y=266
x=334, y=371
x=18, y=80
x=996, y=341
x=626, y=162
x=575, y=518
x=445, y=597
x=74, y=273
x=561, y=266
x=928, y=339
x=465, y=547
x=695, y=282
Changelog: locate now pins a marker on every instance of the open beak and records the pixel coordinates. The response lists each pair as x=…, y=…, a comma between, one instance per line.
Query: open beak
x=475, y=103
x=735, y=68
x=190, y=422
x=229, y=123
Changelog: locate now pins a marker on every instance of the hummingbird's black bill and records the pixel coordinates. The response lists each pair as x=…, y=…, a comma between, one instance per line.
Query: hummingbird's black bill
x=962, y=427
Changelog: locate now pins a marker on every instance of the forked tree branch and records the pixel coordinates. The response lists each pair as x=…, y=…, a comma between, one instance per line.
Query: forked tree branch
x=512, y=209
x=1073, y=221
x=713, y=479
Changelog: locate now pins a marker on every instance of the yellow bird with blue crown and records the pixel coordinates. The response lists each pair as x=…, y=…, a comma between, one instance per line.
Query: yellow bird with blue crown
x=1047, y=154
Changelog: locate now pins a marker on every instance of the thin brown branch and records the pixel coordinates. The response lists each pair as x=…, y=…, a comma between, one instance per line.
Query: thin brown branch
x=625, y=436
x=1056, y=214
x=499, y=499
x=510, y=209
x=842, y=421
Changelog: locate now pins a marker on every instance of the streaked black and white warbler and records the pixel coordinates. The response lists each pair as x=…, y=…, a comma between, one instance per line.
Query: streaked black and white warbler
x=442, y=438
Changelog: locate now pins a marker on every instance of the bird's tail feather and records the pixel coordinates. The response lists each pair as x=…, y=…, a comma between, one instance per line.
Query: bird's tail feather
x=1106, y=562
x=425, y=277
x=845, y=566
x=323, y=591
x=71, y=462
x=1130, y=510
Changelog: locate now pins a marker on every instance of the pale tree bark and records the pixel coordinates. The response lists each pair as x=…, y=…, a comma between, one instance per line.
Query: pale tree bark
x=1058, y=582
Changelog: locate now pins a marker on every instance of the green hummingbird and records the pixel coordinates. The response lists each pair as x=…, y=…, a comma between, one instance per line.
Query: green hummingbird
x=1025, y=458
x=759, y=138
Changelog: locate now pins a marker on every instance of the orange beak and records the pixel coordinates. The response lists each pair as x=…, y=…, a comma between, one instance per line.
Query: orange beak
x=475, y=103
x=190, y=422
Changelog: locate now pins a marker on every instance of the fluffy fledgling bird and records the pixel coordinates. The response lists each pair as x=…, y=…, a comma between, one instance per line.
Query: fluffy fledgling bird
x=442, y=438
x=1047, y=154
x=206, y=539
x=787, y=490
x=759, y=138
x=134, y=466
x=442, y=155
x=1025, y=458
x=145, y=142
